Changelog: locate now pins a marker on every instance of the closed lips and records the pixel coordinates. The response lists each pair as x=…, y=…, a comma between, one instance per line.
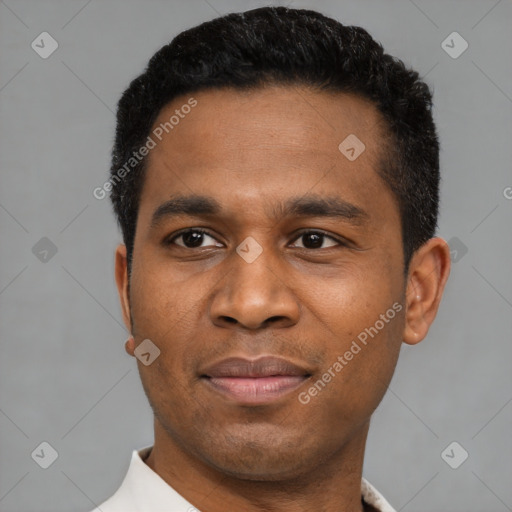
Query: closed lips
x=254, y=382
x=246, y=368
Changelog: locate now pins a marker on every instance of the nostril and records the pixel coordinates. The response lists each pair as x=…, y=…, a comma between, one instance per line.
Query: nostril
x=273, y=320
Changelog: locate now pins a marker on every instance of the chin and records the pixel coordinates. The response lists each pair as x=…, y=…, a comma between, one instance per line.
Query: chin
x=261, y=470
x=263, y=457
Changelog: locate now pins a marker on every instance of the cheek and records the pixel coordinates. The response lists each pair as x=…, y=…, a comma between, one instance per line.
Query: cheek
x=355, y=377
x=362, y=320
x=163, y=313
x=161, y=303
x=353, y=300
x=169, y=395
x=368, y=321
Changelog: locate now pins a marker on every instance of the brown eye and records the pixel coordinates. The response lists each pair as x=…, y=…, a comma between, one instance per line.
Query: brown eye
x=316, y=239
x=192, y=238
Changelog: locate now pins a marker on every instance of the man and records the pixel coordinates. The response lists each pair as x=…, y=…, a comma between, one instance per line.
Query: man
x=275, y=176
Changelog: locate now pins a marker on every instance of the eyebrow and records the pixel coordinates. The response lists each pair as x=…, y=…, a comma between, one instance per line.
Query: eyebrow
x=304, y=206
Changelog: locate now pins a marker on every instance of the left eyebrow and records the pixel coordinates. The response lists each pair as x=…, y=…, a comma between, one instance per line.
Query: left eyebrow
x=304, y=206
x=313, y=205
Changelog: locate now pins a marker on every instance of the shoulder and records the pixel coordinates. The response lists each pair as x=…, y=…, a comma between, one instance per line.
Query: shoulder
x=118, y=502
x=373, y=499
x=125, y=499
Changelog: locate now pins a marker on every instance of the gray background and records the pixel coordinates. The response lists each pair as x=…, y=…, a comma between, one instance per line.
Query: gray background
x=64, y=376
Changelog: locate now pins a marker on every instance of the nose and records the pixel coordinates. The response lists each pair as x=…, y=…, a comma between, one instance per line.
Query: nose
x=255, y=295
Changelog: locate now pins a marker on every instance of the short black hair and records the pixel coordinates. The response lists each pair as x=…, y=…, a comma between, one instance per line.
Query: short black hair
x=277, y=45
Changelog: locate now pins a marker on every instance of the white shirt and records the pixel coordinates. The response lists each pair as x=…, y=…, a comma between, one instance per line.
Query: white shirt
x=143, y=490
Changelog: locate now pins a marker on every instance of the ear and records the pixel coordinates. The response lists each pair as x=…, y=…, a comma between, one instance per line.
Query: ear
x=428, y=272
x=121, y=272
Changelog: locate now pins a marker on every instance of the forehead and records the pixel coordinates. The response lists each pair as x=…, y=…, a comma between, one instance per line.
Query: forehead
x=249, y=147
x=271, y=119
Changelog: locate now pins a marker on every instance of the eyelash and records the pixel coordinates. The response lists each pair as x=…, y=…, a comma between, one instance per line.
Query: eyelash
x=169, y=241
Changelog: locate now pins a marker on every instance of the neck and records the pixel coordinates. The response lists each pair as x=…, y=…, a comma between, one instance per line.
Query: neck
x=332, y=485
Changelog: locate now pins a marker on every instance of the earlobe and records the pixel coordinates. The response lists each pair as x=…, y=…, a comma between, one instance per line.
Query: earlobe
x=121, y=273
x=415, y=328
x=428, y=272
x=129, y=346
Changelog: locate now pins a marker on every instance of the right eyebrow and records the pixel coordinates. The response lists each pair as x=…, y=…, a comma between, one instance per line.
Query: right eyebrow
x=185, y=205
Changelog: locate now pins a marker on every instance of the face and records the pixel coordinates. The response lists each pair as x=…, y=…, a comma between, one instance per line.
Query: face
x=257, y=237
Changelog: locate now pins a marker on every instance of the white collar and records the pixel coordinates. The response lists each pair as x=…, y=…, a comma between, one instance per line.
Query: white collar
x=143, y=490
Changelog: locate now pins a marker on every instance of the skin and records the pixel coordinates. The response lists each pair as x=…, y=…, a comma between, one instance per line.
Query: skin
x=252, y=151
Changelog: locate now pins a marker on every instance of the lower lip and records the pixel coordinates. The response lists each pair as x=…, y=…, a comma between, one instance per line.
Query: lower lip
x=256, y=391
